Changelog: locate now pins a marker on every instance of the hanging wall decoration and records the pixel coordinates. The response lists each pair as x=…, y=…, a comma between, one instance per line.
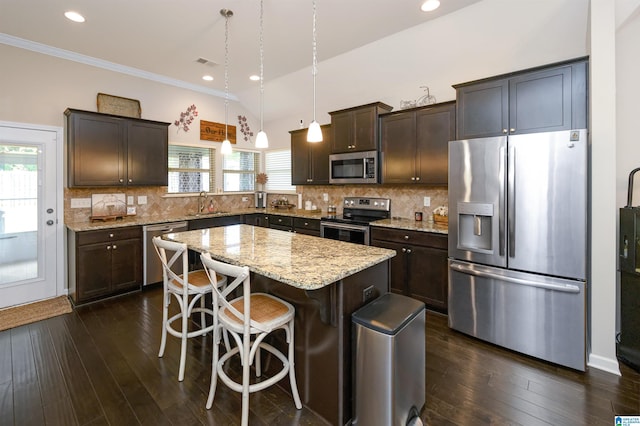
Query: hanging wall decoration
x=247, y=134
x=186, y=118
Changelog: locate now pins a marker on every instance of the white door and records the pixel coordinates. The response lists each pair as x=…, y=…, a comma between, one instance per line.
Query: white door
x=29, y=229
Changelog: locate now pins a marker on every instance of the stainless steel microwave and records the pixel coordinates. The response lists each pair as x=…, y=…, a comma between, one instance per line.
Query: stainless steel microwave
x=354, y=167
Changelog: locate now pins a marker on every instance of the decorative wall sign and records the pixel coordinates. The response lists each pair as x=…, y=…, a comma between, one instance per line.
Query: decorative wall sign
x=125, y=107
x=210, y=131
x=108, y=206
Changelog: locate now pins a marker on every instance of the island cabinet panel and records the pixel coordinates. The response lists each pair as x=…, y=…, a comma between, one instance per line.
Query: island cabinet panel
x=414, y=144
x=419, y=269
x=104, y=263
x=356, y=129
x=545, y=99
x=257, y=219
x=213, y=222
x=310, y=161
x=108, y=150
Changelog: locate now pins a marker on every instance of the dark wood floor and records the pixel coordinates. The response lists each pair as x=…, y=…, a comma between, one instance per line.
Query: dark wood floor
x=99, y=366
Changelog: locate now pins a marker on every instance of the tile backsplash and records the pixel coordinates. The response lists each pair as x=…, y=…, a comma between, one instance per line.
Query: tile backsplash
x=405, y=199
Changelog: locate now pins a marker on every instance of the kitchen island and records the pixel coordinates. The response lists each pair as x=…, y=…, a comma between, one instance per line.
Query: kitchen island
x=326, y=281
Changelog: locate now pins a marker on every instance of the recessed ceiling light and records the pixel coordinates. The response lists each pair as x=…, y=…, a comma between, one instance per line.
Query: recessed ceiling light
x=430, y=5
x=254, y=77
x=74, y=16
x=207, y=77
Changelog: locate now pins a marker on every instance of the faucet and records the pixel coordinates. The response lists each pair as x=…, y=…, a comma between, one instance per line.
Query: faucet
x=202, y=201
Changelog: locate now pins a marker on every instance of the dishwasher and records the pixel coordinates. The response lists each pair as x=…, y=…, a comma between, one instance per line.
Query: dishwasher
x=152, y=271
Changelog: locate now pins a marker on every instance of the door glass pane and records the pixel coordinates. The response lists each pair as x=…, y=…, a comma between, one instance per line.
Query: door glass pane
x=18, y=213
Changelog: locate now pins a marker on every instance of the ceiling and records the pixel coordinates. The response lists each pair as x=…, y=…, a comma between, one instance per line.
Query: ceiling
x=166, y=37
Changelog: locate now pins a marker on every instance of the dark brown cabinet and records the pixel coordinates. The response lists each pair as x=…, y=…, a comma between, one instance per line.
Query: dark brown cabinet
x=213, y=222
x=310, y=161
x=107, y=150
x=356, y=129
x=257, y=219
x=104, y=263
x=414, y=144
x=283, y=223
x=544, y=99
x=306, y=226
x=419, y=269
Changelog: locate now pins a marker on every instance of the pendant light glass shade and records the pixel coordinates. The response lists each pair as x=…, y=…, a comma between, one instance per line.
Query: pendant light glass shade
x=226, y=147
x=314, y=134
x=261, y=140
x=226, y=144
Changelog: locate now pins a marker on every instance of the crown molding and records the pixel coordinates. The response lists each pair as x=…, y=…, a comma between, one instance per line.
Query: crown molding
x=110, y=66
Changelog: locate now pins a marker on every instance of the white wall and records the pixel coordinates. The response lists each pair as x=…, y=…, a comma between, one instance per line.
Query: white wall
x=37, y=88
x=487, y=38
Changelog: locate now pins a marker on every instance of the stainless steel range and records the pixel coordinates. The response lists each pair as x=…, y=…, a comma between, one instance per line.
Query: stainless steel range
x=353, y=225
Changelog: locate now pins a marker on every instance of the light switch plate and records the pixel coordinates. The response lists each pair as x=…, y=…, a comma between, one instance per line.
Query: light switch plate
x=427, y=201
x=130, y=200
x=325, y=197
x=142, y=199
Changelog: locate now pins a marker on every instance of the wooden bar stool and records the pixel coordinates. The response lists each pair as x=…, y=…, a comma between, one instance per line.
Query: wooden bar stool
x=249, y=319
x=188, y=288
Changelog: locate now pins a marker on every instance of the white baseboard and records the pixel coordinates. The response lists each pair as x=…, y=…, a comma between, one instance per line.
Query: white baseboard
x=605, y=364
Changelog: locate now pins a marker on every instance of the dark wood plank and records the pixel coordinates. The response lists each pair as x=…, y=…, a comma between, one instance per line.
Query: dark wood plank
x=86, y=404
x=56, y=401
x=27, y=404
x=99, y=366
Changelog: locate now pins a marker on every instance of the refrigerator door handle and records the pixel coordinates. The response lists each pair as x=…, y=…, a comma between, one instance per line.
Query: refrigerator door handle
x=511, y=199
x=470, y=270
x=501, y=202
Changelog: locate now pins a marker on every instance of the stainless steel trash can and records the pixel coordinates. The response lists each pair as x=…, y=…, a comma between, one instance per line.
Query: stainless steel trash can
x=389, y=361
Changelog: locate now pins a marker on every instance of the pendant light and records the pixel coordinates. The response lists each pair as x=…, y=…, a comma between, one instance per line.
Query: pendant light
x=226, y=145
x=261, y=140
x=314, y=133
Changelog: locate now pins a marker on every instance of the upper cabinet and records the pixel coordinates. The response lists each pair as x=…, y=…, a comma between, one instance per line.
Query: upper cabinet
x=415, y=144
x=356, y=129
x=310, y=161
x=108, y=150
x=544, y=99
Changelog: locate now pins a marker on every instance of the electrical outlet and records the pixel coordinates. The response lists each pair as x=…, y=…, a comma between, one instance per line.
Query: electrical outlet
x=142, y=199
x=367, y=293
x=130, y=199
x=427, y=201
x=245, y=199
x=325, y=196
x=80, y=203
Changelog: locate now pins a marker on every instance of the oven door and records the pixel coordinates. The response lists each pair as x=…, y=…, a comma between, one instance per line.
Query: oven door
x=358, y=234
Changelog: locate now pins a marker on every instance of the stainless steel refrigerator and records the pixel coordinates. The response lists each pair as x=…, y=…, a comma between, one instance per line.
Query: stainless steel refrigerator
x=518, y=243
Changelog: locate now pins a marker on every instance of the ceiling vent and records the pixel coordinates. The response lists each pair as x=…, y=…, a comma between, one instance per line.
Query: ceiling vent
x=207, y=62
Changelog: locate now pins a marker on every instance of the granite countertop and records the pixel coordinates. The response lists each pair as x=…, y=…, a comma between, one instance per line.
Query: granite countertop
x=396, y=223
x=412, y=225
x=138, y=221
x=299, y=260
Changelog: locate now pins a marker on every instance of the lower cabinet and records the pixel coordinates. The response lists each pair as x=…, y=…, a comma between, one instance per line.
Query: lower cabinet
x=104, y=263
x=257, y=219
x=419, y=269
x=213, y=222
x=283, y=223
x=306, y=226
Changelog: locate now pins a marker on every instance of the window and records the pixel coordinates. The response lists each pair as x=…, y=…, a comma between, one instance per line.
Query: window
x=278, y=169
x=191, y=169
x=239, y=171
